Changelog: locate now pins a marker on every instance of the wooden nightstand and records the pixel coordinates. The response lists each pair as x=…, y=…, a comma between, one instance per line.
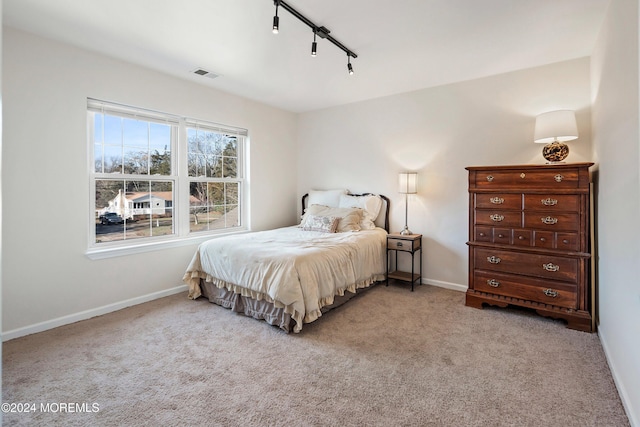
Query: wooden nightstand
x=410, y=243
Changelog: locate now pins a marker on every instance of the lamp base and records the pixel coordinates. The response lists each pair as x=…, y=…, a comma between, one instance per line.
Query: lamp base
x=406, y=231
x=555, y=152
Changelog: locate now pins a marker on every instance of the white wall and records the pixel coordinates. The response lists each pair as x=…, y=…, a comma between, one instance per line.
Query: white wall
x=438, y=132
x=45, y=272
x=616, y=143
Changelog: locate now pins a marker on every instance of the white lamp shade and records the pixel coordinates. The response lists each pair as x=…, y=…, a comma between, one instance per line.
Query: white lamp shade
x=408, y=183
x=556, y=126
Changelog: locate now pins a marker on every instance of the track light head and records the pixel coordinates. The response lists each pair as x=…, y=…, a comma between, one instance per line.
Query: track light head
x=349, y=67
x=276, y=20
x=314, y=45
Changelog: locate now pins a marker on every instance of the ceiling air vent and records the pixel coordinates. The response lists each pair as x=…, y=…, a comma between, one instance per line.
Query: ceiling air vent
x=205, y=73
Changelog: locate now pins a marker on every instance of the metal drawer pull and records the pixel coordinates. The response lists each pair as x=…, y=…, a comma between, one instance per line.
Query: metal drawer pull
x=551, y=267
x=399, y=244
x=481, y=234
x=550, y=293
x=494, y=259
x=489, y=178
x=558, y=178
x=493, y=283
x=549, y=220
x=549, y=202
x=496, y=200
x=496, y=217
x=542, y=239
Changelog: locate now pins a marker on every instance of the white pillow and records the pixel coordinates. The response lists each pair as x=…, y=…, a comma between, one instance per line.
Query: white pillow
x=370, y=204
x=329, y=198
x=350, y=218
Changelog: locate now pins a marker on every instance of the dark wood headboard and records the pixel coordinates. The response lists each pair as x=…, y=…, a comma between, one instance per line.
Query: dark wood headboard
x=385, y=207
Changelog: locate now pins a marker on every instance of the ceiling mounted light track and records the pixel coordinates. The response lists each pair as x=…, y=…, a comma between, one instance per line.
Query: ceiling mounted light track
x=321, y=32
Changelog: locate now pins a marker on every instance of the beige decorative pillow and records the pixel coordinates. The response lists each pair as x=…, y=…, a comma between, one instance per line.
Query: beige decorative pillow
x=349, y=217
x=325, y=224
x=370, y=204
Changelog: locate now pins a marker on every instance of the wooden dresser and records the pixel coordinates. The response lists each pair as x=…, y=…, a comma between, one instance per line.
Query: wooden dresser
x=529, y=239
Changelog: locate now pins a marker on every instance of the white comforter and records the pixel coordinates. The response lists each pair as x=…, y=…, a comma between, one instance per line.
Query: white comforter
x=300, y=271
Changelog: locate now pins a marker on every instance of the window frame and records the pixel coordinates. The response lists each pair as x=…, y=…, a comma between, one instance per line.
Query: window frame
x=179, y=176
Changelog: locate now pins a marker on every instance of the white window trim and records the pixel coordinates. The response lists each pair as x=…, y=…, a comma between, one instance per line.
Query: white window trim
x=182, y=235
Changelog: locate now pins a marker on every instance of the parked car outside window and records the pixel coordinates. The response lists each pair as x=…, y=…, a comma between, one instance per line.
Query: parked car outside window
x=111, y=218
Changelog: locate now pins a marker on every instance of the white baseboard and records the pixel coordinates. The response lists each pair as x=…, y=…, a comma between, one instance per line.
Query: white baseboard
x=634, y=421
x=87, y=314
x=446, y=285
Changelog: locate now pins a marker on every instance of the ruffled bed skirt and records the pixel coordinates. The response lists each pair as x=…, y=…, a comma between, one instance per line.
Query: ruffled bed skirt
x=265, y=310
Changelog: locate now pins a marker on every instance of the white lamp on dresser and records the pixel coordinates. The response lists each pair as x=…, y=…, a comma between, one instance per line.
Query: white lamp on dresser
x=554, y=128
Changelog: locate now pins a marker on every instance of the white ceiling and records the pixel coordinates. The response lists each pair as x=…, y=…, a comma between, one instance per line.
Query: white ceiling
x=402, y=45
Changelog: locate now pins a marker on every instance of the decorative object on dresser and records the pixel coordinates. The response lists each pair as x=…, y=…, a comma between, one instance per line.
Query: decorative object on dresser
x=529, y=240
x=408, y=184
x=407, y=243
x=554, y=129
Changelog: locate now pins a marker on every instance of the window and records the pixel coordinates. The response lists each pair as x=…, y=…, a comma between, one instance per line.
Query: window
x=214, y=188
x=143, y=191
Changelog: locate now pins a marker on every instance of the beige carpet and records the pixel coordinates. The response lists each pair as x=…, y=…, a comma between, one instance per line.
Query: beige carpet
x=387, y=358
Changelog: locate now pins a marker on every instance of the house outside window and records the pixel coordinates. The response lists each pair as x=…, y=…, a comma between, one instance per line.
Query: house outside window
x=144, y=191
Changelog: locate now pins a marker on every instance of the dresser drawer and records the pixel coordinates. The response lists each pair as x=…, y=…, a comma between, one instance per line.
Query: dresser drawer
x=500, y=218
x=552, y=202
x=502, y=236
x=483, y=234
x=498, y=201
x=526, y=179
x=552, y=221
x=568, y=241
x=559, y=294
x=534, y=265
x=522, y=237
x=403, y=245
x=544, y=239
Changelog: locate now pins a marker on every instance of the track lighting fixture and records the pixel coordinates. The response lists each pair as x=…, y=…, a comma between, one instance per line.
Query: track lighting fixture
x=321, y=32
x=314, y=45
x=276, y=20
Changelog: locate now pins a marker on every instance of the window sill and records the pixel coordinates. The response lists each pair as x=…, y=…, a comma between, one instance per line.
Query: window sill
x=112, y=252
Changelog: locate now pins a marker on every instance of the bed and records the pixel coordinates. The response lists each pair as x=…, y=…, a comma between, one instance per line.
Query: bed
x=290, y=276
